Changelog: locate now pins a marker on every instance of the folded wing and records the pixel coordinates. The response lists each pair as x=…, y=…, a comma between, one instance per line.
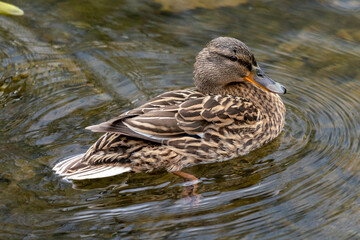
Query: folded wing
x=180, y=113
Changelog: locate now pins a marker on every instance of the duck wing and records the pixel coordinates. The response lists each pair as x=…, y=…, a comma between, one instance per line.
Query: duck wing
x=197, y=114
x=180, y=113
x=154, y=121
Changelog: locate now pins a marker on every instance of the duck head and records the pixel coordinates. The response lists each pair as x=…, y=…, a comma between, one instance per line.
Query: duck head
x=226, y=61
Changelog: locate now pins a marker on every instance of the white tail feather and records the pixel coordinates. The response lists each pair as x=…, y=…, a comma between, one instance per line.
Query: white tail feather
x=66, y=169
x=61, y=167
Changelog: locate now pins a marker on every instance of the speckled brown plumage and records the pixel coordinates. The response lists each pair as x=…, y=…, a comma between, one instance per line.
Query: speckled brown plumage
x=234, y=109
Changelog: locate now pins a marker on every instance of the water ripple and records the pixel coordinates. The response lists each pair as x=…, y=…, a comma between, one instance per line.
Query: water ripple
x=304, y=184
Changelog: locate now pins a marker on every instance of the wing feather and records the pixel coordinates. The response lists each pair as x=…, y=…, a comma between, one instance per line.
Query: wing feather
x=180, y=113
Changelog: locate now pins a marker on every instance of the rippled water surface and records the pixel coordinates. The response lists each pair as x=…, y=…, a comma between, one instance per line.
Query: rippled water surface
x=66, y=65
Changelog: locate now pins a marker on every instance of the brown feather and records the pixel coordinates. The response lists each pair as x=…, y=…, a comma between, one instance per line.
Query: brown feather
x=223, y=117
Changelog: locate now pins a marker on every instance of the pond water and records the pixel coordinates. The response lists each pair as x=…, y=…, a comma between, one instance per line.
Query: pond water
x=66, y=65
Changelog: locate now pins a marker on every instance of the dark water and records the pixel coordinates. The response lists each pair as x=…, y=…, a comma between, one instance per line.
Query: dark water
x=66, y=65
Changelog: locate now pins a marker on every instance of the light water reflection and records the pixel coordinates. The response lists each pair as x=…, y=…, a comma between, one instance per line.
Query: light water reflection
x=65, y=65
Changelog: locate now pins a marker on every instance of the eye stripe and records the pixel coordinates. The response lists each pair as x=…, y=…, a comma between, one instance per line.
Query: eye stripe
x=240, y=61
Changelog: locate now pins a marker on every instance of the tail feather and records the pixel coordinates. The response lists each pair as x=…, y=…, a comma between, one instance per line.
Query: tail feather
x=72, y=168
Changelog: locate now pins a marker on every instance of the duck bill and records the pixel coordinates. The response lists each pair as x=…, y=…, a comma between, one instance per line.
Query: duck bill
x=259, y=78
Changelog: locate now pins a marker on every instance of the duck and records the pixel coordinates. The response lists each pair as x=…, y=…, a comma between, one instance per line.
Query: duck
x=233, y=109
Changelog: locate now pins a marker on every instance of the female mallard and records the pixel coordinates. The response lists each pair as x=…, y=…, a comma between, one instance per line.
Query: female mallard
x=234, y=109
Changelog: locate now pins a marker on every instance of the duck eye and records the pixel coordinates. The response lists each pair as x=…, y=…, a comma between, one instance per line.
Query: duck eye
x=233, y=58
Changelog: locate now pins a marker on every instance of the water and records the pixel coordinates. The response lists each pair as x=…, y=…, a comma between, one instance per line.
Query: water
x=66, y=65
